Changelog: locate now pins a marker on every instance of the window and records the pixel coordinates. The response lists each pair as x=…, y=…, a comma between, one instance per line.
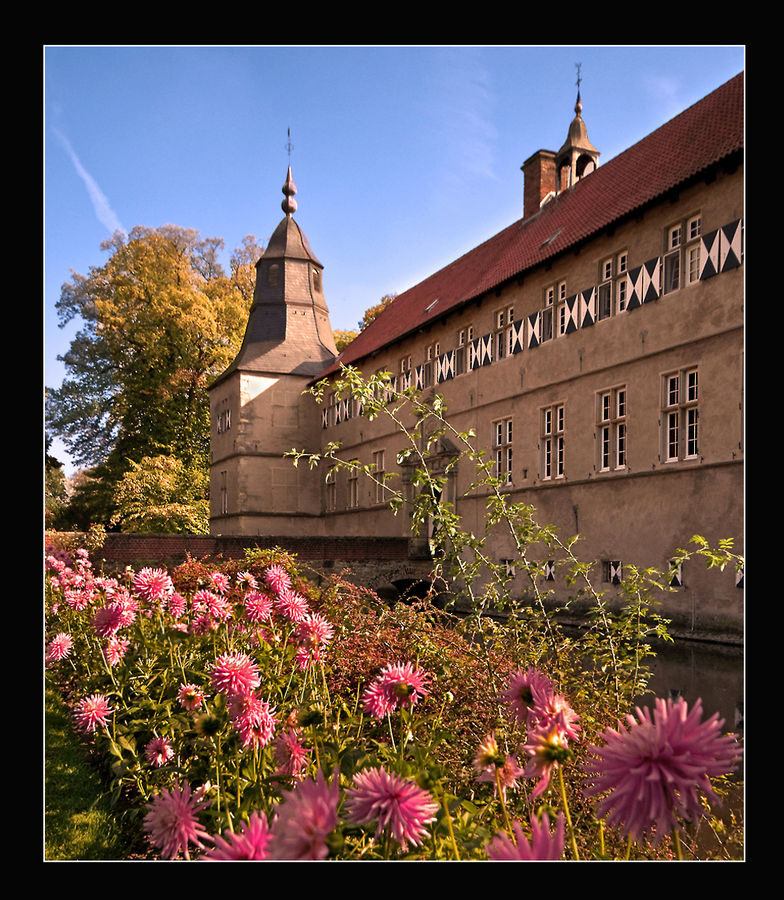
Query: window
x=552, y=443
x=612, y=571
x=224, y=493
x=502, y=447
x=546, y=316
x=352, y=486
x=379, y=474
x=464, y=338
x=613, y=285
x=330, y=491
x=611, y=429
x=223, y=422
x=432, y=352
x=680, y=415
x=682, y=254
x=621, y=281
x=405, y=373
x=504, y=335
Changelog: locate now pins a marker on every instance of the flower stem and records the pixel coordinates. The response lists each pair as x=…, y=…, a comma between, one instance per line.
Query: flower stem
x=567, y=813
x=503, y=801
x=449, y=826
x=678, y=848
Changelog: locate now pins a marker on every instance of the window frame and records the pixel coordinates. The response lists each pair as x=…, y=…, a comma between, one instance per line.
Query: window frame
x=553, y=441
x=681, y=259
x=503, y=449
x=379, y=472
x=680, y=415
x=612, y=451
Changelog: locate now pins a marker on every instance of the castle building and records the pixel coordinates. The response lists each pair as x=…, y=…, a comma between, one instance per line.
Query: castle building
x=595, y=346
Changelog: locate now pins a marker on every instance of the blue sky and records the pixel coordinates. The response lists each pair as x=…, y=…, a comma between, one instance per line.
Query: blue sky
x=404, y=157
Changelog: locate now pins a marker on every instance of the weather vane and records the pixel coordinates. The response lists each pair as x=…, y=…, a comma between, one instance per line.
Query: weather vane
x=579, y=78
x=289, y=144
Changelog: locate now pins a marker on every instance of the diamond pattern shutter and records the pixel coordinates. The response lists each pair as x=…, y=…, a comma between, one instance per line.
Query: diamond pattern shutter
x=587, y=310
x=731, y=246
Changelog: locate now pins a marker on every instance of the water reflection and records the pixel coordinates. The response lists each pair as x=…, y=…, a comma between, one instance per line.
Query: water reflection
x=693, y=670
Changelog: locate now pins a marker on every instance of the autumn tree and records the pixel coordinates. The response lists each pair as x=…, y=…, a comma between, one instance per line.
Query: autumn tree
x=159, y=320
x=374, y=311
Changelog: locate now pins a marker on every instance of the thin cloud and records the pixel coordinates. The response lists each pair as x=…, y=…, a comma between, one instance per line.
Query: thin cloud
x=465, y=113
x=103, y=210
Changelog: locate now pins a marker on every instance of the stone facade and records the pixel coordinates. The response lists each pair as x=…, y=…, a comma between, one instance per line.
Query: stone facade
x=595, y=347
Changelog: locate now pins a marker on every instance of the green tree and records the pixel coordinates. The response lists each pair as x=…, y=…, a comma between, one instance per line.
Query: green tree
x=55, y=493
x=161, y=494
x=160, y=319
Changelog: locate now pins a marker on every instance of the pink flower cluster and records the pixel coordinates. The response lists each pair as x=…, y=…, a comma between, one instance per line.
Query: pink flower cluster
x=550, y=722
x=236, y=676
x=302, y=823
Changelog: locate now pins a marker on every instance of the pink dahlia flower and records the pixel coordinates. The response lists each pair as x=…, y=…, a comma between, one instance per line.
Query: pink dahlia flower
x=191, y=696
x=250, y=842
x=652, y=771
x=153, y=585
x=214, y=605
x=59, y=647
x=314, y=631
x=277, y=578
x=78, y=598
x=305, y=819
x=544, y=844
x=258, y=606
x=496, y=768
x=528, y=691
x=93, y=712
x=115, y=649
x=247, y=580
x=220, y=581
x=400, y=807
x=291, y=605
x=176, y=605
x=171, y=820
x=546, y=747
x=397, y=685
x=235, y=673
x=252, y=718
x=158, y=751
x=292, y=758
x=107, y=620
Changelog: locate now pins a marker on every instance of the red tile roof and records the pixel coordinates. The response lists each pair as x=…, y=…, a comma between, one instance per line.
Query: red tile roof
x=699, y=137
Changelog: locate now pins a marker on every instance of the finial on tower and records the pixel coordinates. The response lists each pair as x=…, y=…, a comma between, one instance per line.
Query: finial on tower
x=578, y=106
x=289, y=205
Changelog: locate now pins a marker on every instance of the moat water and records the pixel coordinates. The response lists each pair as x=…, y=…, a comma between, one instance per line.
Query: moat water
x=711, y=672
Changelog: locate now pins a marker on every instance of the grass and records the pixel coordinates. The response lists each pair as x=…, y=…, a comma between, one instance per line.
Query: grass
x=80, y=823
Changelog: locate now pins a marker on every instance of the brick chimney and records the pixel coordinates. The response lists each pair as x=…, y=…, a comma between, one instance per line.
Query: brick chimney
x=538, y=180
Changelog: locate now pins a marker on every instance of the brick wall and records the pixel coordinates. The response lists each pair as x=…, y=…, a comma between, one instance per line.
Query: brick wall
x=169, y=549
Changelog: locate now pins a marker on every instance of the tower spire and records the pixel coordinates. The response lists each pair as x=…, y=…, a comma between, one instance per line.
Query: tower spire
x=289, y=204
